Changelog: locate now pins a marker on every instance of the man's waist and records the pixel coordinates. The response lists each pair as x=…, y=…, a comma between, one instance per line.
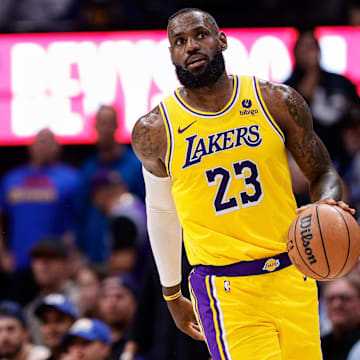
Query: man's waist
x=247, y=268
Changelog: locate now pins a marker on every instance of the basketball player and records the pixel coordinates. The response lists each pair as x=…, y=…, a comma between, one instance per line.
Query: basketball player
x=216, y=173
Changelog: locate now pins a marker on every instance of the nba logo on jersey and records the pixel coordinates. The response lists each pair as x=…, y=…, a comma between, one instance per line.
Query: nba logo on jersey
x=271, y=264
x=227, y=285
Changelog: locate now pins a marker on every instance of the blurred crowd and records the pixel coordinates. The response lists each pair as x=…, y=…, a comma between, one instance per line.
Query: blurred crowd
x=77, y=276
x=98, y=15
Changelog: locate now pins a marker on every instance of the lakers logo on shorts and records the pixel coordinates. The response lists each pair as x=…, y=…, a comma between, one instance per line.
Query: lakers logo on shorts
x=271, y=265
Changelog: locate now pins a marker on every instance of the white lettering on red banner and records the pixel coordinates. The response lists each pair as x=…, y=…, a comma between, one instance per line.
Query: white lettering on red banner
x=60, y=80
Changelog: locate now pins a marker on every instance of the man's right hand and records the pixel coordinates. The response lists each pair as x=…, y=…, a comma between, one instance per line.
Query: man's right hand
x=182, y=312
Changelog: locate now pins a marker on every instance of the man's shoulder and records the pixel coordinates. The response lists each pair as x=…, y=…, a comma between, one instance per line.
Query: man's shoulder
x=274, y=92
x=66, y=169
x=336, y=79
x=149, y=140
x=327, y=337
x=152, y=116
x=91, y=163
x=17, y=173
x=148, y=125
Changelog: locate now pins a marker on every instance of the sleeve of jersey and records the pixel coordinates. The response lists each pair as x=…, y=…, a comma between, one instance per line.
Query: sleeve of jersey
x=164, y=228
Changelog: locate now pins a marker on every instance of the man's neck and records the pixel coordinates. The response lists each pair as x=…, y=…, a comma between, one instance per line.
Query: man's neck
x=53, y=288
x=340, y=332
x=39, y=165
x=21, y=355
x=211, y=98
x=117, y=333
x=110, y=152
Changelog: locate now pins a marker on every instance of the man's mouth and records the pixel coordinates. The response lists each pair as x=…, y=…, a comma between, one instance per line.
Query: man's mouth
x=195, y=61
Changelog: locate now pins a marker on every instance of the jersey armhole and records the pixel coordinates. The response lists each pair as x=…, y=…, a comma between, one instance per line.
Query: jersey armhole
x=265, y=111
x=169, y=137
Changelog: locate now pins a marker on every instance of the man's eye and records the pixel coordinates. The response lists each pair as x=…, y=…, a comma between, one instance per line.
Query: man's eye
x=202, y=35
x=180, y=41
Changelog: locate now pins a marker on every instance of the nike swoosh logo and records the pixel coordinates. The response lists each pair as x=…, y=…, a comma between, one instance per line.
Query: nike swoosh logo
x=180, y=131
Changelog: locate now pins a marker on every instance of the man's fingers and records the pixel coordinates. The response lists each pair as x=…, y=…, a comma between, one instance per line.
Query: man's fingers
x=194, y=332
x=346, y=207
x=195, y=326
x=329, y=201
x=301, y=208
x=183, y=314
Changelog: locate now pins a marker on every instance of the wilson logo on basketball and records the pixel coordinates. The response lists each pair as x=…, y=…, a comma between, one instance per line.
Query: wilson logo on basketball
x=271, y=265
x=306, y=237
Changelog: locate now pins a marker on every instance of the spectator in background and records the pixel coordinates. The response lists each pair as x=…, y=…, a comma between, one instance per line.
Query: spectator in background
x=343, y=307
x=126, y=214
x=56, y=314
x=93, y=226
x=42, y=15
x=50, y=266
x=5, y=13
x=117, y=306
x=37, y=199
x=351, y=136
x=354, y=13
x=330, y=96
x=88, y=339
x=88, y=280
x=14, y=336
x=300, y=185
x=100, y=15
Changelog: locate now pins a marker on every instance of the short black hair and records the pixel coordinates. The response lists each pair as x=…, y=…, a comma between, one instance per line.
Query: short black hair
x=12, y=309
x=187, y=10
x=50, y=246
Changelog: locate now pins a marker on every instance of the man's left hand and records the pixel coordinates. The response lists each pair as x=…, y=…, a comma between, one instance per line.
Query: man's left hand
x=329, y=201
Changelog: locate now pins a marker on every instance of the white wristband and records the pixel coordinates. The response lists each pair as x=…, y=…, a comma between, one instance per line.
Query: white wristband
x=164, y=228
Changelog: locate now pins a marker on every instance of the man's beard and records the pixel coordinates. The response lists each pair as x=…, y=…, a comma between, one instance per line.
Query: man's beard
x=209, y=76
x=11, y=354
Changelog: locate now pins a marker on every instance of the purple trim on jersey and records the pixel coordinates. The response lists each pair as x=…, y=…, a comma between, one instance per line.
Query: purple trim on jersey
x=264, y=110
x=246, y=268
x=170, y=135
x=218, y=318
x=186, y=107
x=198, y=285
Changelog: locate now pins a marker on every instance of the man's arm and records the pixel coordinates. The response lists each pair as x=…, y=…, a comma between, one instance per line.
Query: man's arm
x=293, y=116
x=149, y=143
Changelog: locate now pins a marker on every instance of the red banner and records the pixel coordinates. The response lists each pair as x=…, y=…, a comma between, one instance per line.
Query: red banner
x=60, y=80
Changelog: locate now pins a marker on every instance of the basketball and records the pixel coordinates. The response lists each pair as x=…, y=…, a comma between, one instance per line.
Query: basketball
x=323, y=242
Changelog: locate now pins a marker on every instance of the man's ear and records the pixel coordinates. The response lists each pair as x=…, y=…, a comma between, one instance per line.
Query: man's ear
x=171, y=54
x=223, y=41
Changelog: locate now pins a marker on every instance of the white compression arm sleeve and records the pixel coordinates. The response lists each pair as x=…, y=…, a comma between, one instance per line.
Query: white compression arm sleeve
x=164, y=228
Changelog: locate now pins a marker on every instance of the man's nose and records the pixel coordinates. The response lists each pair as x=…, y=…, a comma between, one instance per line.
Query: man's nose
x=192, y=45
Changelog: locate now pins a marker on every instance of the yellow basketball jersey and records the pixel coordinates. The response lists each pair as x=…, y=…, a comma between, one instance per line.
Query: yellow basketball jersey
x=230, y=177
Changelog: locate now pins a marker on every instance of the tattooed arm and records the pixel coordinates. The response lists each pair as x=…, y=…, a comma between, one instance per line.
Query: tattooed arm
x=293, y=116
x=149, y=142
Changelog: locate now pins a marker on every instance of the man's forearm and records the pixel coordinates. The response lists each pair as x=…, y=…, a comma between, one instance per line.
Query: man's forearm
x=164, y=229
x=328, y=185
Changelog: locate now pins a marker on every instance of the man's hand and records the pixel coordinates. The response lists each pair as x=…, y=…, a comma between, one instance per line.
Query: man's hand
x=329, y=201
x=182, y=312
x=130, y=351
